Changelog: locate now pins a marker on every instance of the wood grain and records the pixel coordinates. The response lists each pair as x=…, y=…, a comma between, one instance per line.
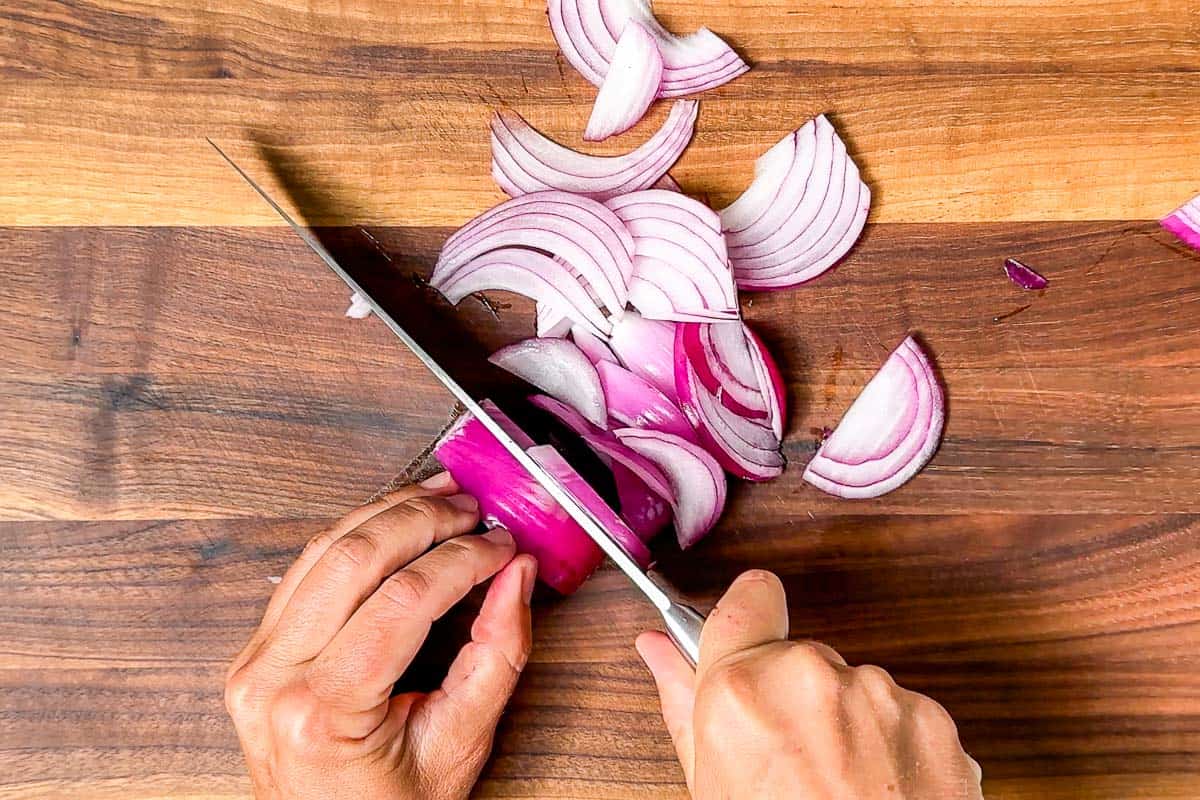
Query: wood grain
x=413, y=150
x=1061, y=644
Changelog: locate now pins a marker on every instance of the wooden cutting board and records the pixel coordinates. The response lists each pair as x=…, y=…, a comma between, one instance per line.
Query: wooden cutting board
x=182, y=404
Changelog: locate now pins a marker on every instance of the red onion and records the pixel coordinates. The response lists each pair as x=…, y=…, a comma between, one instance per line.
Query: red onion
x=771, y=381
x=891, y=430
x=646, y=512
x=509, y=496
x=561, y=370
x=584, y=233
x=528, y=273
x=697, y=482
x=680, y=264
x=728, y=374
x=629, y=87
x=592, y=346
x=565, y=414
x=646, y=347
x=802, y=213
x=744, y=447
x=507, y=425
x=1184, y=222
x=557, y=466
x=1023, y=276
x=551, y=323
x=586, y=31
x=524, y=161
x=359, y=307
x=634, y=402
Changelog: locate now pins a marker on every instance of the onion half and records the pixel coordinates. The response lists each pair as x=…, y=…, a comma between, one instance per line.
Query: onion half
x=680, y=263
x=561, y=370
x=891, y=430
x=634, y=402
x=629, y=87
x=525, y=161
x=587, y=32
x=697, y=482
x=802, y=213
x=1184, y=222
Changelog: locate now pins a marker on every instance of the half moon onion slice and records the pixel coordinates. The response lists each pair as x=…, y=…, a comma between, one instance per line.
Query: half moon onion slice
x=561, y=370
x=891, y=430
x=629, y=87
x=1184, y=222
x=801, y=214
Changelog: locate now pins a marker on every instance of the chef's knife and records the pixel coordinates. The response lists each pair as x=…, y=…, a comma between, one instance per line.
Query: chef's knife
x=683, y=622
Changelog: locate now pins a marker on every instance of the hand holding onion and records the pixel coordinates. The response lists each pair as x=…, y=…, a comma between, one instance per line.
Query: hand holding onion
x=765, y=718
x=311, y=694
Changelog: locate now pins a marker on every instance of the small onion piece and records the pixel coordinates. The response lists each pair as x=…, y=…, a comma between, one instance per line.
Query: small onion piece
x=551, y=323
x=592, y=346
x=1023, y=275
x=585, y=234
x=586, y=31
x=634, y=402
x=1184, y=222
x=629, y=87
x=646, y=347
x=890, y=432
x=802, y=213
x=359, y=307
x=509, y=496
x=525, y=161
x=527, y=273
x=680, y=263
x=561, y=370
x=565, y=414
x=573, y=483
x=697, y=482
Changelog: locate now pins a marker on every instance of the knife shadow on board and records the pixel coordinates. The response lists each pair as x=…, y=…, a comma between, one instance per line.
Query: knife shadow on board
x=459, y=339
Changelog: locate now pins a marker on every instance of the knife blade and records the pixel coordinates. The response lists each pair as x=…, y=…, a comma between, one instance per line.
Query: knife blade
x=683, y=622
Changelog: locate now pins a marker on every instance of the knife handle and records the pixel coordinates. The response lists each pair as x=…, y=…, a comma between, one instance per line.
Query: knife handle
x=684, y=624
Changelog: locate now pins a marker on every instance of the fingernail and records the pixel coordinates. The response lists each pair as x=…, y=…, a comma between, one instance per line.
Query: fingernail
x=498, y=535
x=440, y=481
x=463, y=502
x=528, y=579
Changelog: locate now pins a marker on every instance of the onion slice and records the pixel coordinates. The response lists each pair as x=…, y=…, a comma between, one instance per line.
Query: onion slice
x=680, y=263
x=561, y=370
x=527, y=273
x=891, y=430
x=1184, y=222
x=577, y=487
x=525, y=161
x=585, y=234
x=697, y=482
x=734, y=365
x=359, y=307
x=801, y=214
x=592, y=346
x=629, y=87
x=565, y=414
x=509, y=496
x=587, y=32
x=646, y=347
x=634, y=402
x=1023, y=275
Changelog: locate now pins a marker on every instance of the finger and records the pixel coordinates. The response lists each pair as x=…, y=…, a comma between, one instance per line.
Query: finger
x=752, y=612
x=483, y=676
x=355, y=564
x=833, y=656
x=356, y=671
x=676, y=682
x=441, y=484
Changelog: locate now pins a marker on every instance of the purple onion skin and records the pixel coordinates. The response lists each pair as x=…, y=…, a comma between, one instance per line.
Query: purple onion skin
x=1023, y=276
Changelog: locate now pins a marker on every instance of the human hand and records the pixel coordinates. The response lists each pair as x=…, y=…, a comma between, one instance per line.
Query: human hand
x=311, y=694
x=764, y=718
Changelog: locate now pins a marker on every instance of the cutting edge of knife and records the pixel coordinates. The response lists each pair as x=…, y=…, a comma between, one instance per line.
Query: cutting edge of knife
x=576, y=510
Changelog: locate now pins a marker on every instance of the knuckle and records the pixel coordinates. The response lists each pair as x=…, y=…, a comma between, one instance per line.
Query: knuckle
x=242, y=695
x=424, y=510
x=353, y=551
x=874, y=678
x=821, y=682
x=318, y=543
x=405, y=591
x=930, y=715
x=298, y=719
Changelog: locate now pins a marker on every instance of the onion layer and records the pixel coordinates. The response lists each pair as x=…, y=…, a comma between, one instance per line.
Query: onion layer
x=802, y=213
x=680, y=263
x=646, y=347
x=524, y=161
x=634, y=402
x=509, y=496
x=1184, y=222
x=629, y=87
x=697, y=482
x=891, y=430
x=561, y=370
x=1023, y=275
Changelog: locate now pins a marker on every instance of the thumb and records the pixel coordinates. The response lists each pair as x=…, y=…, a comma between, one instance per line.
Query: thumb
x=676, y=682
x=466, y=709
